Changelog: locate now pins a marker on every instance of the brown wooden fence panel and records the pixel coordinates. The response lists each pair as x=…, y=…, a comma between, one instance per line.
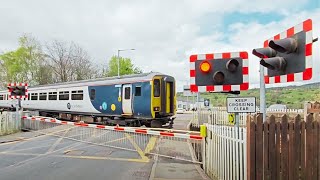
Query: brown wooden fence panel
x=303, y=150
x=251, y=147
x=272, y=148
x=284, y=147
x=259, y=147
x=278, y=149
x=309, y=146
x=314, y=149
x=266, y=150
x=292, y=158
x=284, y=150
x=297, y=145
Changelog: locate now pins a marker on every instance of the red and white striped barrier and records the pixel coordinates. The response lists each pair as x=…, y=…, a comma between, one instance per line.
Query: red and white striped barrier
x=116, y=128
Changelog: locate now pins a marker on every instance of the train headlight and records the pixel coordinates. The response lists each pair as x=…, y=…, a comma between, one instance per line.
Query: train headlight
x=156, y=108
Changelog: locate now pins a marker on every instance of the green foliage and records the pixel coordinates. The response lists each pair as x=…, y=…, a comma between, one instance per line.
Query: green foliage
x=22, y=64
x=126, y=67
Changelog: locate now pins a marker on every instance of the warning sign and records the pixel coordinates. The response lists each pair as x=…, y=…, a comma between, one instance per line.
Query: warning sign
x=232, y=118
x=241, y=104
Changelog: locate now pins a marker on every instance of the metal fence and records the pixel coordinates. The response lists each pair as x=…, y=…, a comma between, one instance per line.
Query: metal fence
x=225, y=152
x=9, y=123
x=219, y=115
x=181, y=146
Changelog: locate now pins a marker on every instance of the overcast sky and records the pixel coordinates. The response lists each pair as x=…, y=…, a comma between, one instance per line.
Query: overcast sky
x=163, y=32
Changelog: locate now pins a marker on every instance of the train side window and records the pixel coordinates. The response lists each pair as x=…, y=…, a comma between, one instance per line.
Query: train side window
x=1, y=97
x=34, y=96
x=77, y=95
x=29, y=96
x=127, y=93
x=52, y=95
x=92, y=94
x=43, y=96
x=138, y=91
x=64, y=95
x=156, y=88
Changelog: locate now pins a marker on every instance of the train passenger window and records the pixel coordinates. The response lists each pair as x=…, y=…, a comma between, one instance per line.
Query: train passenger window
x=127, y=93
x=156, y=88
x=43, y=96
x=64, y=95
x=1, y=97
x=34, y=96
x=28, y=96
x=77, y=95
x=138, y=91
x=92, y=94
x=52, y=95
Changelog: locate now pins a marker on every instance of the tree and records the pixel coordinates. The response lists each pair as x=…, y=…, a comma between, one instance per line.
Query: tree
x=69, y=62
x=126, y=67
x=22, y=65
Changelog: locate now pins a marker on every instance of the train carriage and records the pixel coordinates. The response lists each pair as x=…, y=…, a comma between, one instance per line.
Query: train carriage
x=142, y=99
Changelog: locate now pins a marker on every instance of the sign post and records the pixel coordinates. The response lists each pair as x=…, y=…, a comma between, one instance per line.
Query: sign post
x=18, y=91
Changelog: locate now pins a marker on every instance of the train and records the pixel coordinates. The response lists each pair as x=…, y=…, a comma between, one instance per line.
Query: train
x=133, y=100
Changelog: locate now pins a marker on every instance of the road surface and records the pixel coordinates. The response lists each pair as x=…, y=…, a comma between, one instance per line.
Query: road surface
x=31, y=156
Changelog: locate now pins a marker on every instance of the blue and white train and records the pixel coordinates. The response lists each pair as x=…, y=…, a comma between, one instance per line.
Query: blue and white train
x=144, y=99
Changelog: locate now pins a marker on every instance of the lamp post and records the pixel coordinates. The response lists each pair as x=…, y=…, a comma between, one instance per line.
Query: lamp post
x=119, y=58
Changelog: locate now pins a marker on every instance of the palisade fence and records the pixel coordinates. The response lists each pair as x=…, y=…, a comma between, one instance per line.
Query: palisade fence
x=219, y=116
x=286, y=149
x=9, y=123
x=225, y=152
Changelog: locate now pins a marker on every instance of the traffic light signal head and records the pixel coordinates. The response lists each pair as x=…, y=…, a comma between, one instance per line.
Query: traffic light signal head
x=288, y=55
x=18, y=90
x=219, y=72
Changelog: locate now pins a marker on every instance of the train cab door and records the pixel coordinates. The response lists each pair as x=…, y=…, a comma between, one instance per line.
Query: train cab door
x=127, y=99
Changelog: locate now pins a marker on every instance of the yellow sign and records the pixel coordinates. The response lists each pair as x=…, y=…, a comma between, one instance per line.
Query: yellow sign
x=232, y=118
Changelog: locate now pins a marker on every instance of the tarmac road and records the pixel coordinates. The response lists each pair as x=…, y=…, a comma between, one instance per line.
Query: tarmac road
x=30, y=157
x=47, y=158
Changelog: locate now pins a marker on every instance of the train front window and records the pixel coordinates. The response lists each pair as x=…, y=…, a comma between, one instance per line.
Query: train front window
x=156, y=88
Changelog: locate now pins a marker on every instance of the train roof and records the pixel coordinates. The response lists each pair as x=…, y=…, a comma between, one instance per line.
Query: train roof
x=101, y=81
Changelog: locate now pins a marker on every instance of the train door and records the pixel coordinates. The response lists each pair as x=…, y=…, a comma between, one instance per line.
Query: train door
x=127, y=99
x=169, y=96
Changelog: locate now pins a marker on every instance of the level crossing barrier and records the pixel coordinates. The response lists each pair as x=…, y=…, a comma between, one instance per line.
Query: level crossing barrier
x=186, y=146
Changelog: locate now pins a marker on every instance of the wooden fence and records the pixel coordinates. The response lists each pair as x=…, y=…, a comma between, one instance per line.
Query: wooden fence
x=286, y=149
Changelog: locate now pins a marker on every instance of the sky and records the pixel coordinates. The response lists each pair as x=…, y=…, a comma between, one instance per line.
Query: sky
x=164, y=33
